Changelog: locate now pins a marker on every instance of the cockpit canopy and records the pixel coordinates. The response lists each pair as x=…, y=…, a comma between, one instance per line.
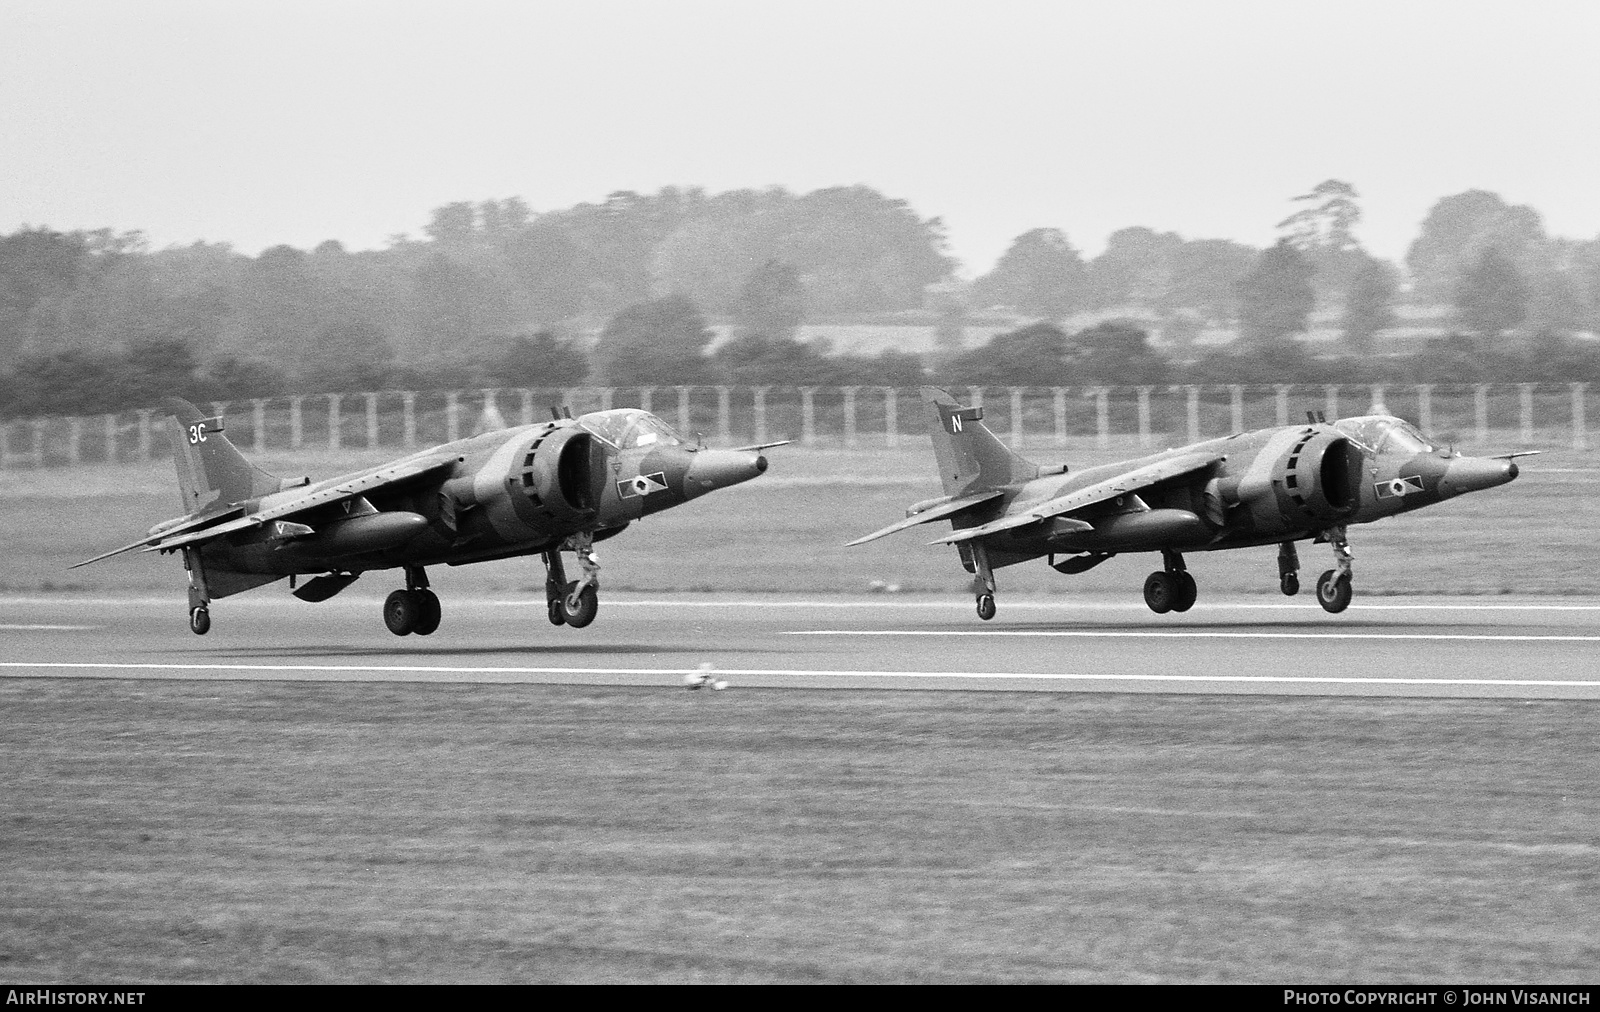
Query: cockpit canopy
x=1386, y=434
x=628, y=428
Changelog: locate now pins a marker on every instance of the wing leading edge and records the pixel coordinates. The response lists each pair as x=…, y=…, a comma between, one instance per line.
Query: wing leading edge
x=939, y=512
x=185, y=533
x=1123, y=484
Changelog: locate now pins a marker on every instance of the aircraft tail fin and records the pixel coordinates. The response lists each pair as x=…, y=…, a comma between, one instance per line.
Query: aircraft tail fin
x=211, y=470
x=971, y=458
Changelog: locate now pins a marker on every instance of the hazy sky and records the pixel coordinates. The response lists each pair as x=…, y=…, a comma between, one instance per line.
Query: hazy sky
x=295, y=122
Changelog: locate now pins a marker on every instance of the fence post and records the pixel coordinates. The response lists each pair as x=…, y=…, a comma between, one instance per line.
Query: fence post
x=1102, y=417
x=452, y=417
x=975, y=395
x=372, y=420
x=683, y=410
x=1281, y=401
x=1378, y=406
x=258, y=421
x=1236, y=406
x=1480, y=406
x=111, y=439
x=1525, y=392
x=1194, y=413
x=808, y=416
x=144, y=434
x=1144, y=416
x=297, y=430
x=891, y=417
x=408, y=418
x=646, y=397
x=525, y=409
x=335, y=423
x=1330, y=401
x=724, y=424
x=1425, y=407
x=1579, y=439
x=5, y=443
x=758, y=408
x=1016, y=418
x=1058, y=402
x=74, y=439
x=489, y=416
x=38, y=442
x=607, y=396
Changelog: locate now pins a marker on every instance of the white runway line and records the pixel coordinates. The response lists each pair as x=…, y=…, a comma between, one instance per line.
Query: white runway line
x=47, y=628
x=677, y=673
x=1196, y=634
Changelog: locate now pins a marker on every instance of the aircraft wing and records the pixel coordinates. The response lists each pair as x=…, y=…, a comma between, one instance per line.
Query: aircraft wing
x=939, y=512
x=186, y=533
x=1122, y=484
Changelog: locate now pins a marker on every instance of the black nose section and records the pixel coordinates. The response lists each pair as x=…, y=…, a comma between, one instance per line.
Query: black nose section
x=710, y=470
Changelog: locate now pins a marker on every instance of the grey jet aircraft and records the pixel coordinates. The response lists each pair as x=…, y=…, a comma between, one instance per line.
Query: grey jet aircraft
x=541, y=489
x=1269, y=487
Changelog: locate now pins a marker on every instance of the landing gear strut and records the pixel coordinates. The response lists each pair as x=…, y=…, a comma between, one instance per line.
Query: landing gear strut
x=1170, y=588
x=199, y=596
x=984, y=585
x=415, y=609
x=1333, y=588
x=1288, y=569
x=574, y=604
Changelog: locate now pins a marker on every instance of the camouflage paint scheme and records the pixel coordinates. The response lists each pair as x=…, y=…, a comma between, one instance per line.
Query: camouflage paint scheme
x=532, y=490
x=1272, y=486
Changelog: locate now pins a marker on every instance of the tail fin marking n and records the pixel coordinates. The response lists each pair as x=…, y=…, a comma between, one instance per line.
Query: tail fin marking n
x=971, y=458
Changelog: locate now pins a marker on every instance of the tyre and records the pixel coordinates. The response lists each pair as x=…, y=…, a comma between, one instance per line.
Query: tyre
x=1188, y=591
x=401, y=611
x=1289, y=584
x=1334, y=591
x=558, y=614
x=199, y=621
x=1160, y=590
x=428, y=620
x=581, y=612
x=986, y=608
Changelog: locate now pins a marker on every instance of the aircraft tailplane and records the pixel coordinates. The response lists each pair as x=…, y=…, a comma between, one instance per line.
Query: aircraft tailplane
x=211, y=470
x=971, y=458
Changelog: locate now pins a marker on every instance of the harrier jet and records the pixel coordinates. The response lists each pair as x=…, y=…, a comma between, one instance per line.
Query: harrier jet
x=537, y=489
x=1268, y=487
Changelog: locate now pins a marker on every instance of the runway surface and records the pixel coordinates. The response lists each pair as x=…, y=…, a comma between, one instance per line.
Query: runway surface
x=1502, y=647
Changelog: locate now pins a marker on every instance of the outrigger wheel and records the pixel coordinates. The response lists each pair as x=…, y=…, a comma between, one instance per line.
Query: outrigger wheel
x=199, y=621
x=986, y=608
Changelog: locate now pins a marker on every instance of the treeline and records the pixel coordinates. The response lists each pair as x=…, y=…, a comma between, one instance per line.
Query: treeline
x=623, y=293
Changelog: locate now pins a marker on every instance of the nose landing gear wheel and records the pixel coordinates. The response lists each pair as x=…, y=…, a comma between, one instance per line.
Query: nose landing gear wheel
x=199, y=621
x=579, y=609
x=1334, y=591
x=558, y=614
x=401, y=612
x=1160, y=592
x=986, y=608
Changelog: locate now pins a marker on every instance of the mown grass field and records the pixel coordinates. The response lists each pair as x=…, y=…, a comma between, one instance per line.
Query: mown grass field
x=786, y=532
x=182, y=831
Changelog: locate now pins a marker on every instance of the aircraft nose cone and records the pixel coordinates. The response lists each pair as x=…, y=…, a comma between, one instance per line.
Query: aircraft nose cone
x=1473, y=474
x=714, y=469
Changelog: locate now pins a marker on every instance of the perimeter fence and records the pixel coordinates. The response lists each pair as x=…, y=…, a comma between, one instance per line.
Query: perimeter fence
x=1507, y=415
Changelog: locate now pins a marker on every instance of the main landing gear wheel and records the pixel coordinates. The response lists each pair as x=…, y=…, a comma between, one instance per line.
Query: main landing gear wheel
x=579, y=609
x=986, y=607
x=402, y=611
x=199, y=621
x=1334, y=591
x=1161, y=591
x=1187, y=591
x=428, y=605
x=1289, y=583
